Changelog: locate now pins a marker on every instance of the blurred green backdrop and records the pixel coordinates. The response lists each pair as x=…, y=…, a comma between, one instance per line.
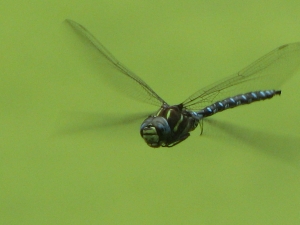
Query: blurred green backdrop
x=60, y=166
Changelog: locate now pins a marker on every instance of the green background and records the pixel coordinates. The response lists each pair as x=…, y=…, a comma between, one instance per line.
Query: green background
x=62, y=161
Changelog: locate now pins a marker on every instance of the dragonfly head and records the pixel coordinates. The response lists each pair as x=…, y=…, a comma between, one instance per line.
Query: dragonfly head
x=155, y=131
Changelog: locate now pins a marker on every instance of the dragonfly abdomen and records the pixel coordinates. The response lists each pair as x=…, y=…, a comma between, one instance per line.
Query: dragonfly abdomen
x=238, y=100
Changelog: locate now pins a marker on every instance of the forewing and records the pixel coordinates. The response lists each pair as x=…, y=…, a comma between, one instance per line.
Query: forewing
x=117, y=74
x=268, y=72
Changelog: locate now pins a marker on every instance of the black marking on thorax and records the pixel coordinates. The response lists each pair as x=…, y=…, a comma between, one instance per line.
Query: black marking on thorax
x=179, y=120
x=173, y=114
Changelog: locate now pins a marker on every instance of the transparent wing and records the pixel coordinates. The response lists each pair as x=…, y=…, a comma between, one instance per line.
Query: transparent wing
x=268, y=72
x=117, y=74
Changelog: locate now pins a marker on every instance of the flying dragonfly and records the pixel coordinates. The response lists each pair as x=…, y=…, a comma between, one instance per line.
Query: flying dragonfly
x=172, y=124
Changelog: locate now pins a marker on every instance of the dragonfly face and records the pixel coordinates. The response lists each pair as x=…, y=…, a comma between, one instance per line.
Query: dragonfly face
x=172, y=124
x=169, y=126
x=155, y=131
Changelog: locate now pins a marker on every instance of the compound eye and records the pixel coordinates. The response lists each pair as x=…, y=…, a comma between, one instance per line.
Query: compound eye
x=162, y=127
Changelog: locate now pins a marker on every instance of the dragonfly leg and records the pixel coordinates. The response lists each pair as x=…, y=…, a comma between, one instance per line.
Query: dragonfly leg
x=201, y=126
x=182, y=138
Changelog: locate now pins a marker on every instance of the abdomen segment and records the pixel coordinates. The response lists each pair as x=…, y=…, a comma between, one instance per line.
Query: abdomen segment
x=237, y=100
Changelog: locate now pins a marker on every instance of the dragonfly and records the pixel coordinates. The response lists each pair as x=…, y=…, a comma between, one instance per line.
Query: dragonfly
x=172, y=124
